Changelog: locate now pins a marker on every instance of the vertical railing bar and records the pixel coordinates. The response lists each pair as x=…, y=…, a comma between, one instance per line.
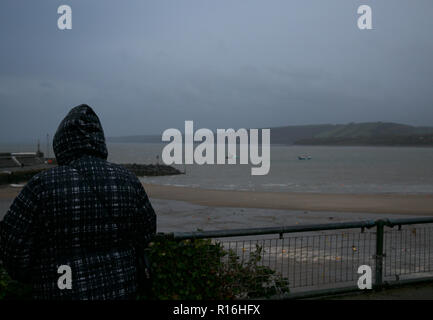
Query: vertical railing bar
x=385, y=243
x=429, y=251
x=297, y=250
x=276, y=253
x=392, y=261
x=421, y=245
x=330, y=258
x=351, y=256
x=402, y=239
x=269, y=255
x=250, y=249
x=313, y=254
x=312, y=260
x=357, y=253
x=300, y=261
x=290, y=261
x=388, y=250
x=425, y=249
x=395, y=250
x=294, y=261
x=317, y=255
x=379, y=252
x=417, y=248
x=305, y=261
x=365, y=247
x=410, y=252
x=349, y=261
x=301, y=250
x=282, y=256
x=319, y=268
x=338, y=261
x=417, y=245
x=335, y=251
x=324, y=260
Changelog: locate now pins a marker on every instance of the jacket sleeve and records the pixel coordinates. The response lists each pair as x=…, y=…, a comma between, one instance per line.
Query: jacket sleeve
x=146, y=219
x=17, y=234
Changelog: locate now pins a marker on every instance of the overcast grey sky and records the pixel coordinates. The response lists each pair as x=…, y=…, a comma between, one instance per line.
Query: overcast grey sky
x=149, y=65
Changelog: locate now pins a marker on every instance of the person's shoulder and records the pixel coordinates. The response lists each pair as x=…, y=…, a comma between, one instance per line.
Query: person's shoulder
x=39, y=181
x=46, y=177
x=51, y=172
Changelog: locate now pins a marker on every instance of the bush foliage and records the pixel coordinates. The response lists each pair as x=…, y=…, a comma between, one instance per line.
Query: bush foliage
x=200, y=269
x=11, y=289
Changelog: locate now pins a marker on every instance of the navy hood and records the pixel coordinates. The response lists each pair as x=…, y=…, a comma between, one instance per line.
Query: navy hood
x=80, y=133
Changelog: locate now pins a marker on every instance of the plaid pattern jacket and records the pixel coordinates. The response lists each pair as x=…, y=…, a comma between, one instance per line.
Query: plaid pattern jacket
x=86, y=213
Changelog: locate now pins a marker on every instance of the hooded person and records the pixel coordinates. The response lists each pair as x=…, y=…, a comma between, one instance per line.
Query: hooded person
x=73, y=230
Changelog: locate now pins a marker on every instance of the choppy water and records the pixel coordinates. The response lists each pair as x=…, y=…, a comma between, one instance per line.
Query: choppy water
x=331, y=169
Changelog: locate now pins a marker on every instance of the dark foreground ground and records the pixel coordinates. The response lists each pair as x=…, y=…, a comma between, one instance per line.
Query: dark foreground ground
x=408, y=292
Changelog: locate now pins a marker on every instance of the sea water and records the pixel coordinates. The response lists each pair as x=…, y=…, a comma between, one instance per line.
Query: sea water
x=406, y=170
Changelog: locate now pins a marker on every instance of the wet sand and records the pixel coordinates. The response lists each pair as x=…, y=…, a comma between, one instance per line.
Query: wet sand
x=361, y=203
x=189, y=209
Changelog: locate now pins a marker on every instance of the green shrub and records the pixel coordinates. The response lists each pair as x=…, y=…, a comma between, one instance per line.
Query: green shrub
x=200, y=269
x=11, y=289
x=4, y=283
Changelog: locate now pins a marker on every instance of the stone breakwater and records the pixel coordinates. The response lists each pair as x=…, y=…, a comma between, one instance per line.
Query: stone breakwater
x=141, y=170
x=19, y=175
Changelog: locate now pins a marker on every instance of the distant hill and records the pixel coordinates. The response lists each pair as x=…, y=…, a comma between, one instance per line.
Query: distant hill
x=398, y=140
x=371, y=133
x=366, y=133
x=291, y=134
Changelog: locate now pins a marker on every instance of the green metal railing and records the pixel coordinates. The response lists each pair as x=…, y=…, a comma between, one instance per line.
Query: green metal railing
x=323, y=256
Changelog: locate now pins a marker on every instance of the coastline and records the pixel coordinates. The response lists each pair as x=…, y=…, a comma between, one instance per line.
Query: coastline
x=408, y=204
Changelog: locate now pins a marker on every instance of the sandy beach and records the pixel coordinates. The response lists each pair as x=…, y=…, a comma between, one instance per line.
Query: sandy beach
x=362, y=203
x=188, y=209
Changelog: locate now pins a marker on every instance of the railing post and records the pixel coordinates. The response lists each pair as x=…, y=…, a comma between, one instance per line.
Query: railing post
x=379, y=253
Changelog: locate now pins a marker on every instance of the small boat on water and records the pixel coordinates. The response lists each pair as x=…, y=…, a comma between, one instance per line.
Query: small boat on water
x=304, y=157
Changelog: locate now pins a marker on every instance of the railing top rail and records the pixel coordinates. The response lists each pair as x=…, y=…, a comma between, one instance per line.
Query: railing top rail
x=269, y=230
x=408, y=221
x=293, y=229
